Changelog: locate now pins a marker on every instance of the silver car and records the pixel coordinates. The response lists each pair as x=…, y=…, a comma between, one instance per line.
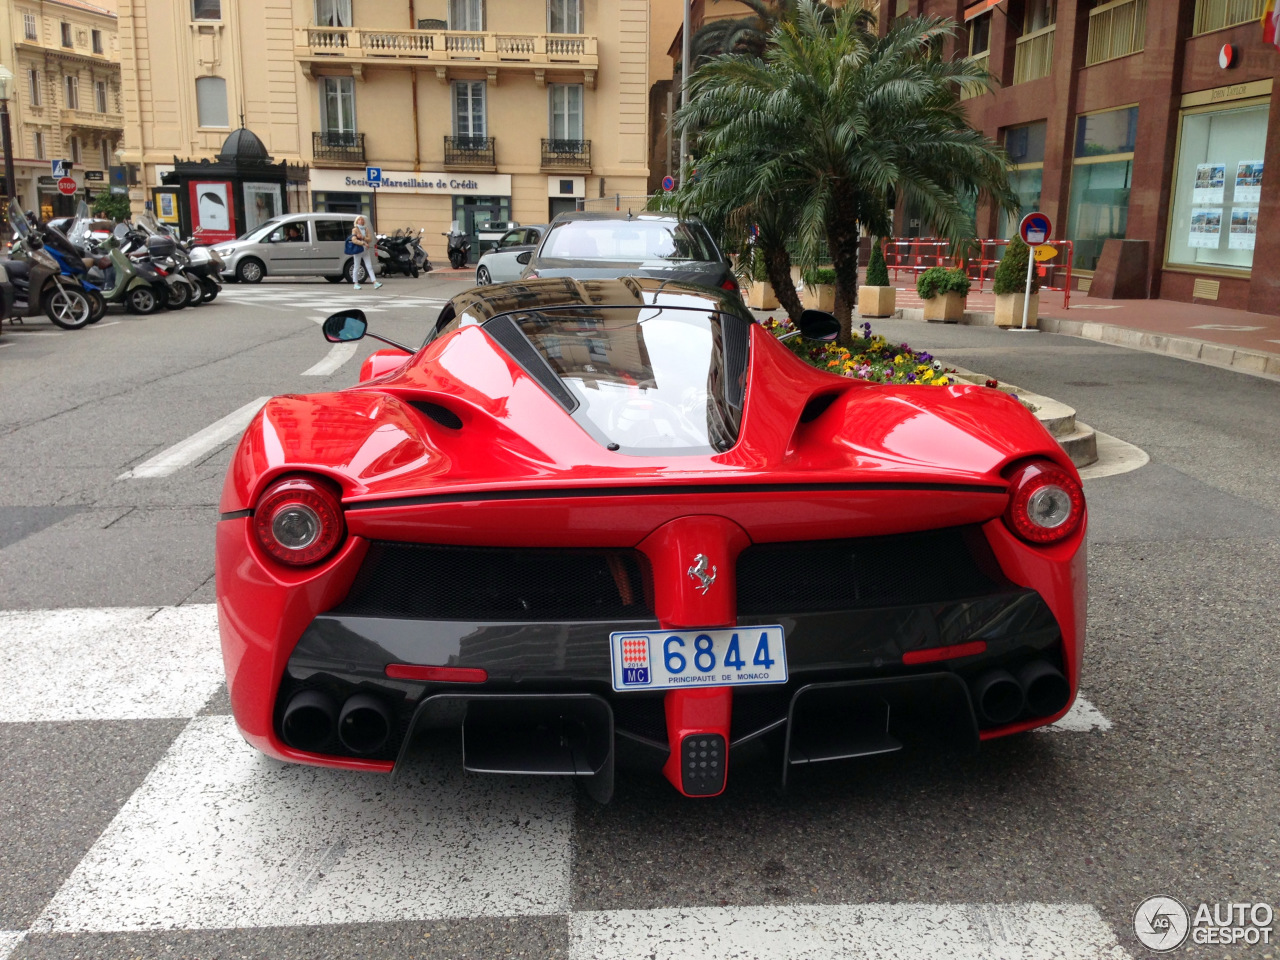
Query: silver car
x=297, y=244
x=586, y=245
x=501, y=263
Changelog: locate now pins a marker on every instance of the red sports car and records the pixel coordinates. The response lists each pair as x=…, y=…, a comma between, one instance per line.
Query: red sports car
x=617, y=520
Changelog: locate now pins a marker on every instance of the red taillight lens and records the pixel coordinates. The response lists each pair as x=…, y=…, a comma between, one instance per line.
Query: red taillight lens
x=731, y=285
x=298, y=521
x=1046, y=504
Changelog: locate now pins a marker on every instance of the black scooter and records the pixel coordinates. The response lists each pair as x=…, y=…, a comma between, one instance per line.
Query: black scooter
x=459, y=249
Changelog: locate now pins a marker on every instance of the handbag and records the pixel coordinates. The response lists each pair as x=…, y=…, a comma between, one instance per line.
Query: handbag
x=353, y=249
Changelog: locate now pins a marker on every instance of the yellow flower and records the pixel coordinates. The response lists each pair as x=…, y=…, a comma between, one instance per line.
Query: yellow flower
x=942, y=382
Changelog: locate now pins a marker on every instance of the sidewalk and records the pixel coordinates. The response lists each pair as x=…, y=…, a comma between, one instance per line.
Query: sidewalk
x=1193, y=331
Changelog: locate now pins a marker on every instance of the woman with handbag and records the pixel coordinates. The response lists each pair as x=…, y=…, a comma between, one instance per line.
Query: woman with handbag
x=360, y=246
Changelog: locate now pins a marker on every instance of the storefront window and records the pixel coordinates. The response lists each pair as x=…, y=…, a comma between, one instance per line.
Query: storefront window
x=1101, y=178
x=1025, y=147
x=1218, y=187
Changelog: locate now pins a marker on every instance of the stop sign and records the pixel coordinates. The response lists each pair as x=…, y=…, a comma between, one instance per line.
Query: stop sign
x=67, y=186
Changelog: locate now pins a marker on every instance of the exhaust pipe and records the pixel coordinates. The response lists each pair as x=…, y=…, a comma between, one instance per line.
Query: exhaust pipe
x=309, y=720
x=364, y=724
x=1045, y=688
x=998, y=697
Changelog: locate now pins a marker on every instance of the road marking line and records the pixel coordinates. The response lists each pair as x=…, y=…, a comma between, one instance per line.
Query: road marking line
x=1083, y=717
x=339, y=354
x=191, y=449
x=8, y=940
x=33, y=333
x=1025, y=931
x=99, y=326
x=108, y=663
x=219, y=835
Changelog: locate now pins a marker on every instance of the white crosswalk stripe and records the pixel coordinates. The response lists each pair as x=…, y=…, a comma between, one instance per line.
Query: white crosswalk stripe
x=9, y=939
x=338, y=354
x=195, y=446
x=1009, y=931
x=220, y=836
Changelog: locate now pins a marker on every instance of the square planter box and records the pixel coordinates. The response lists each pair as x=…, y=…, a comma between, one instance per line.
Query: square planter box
x=820, y=296
x=877, y=301
x=948, y=308
x=1009, y=309
x=760, y=296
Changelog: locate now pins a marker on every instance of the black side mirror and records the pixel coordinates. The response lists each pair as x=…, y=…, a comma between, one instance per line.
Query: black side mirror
x=345, y=326
x=525, y=257
x=819, y=325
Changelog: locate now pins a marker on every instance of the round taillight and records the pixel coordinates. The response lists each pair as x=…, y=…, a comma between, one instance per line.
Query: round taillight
x=298, y=521
x=1046, y=504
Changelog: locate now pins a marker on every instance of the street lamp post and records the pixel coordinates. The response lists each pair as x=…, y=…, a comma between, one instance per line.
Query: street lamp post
x=685, y=67
x=6, y=78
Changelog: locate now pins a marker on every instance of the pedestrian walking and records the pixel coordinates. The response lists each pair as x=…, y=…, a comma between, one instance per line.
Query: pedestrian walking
x=362, y=237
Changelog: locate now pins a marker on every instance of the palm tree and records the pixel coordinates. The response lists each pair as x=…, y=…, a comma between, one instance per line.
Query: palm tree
x=833, y=118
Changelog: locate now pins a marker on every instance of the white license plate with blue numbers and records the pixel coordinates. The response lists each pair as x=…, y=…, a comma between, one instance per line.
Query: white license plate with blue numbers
x=666, y=659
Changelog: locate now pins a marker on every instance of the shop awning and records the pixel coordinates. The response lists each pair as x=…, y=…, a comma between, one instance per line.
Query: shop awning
x=981, y=7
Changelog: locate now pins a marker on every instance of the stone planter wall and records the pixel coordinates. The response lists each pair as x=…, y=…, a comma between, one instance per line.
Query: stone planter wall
x=760, y=296
x=877, y=301
x=819, y=296
x=1009, y=309
x=948, y=308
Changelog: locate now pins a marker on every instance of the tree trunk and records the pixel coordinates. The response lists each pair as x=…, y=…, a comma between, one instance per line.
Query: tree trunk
x=777, y=264
x=842, y=242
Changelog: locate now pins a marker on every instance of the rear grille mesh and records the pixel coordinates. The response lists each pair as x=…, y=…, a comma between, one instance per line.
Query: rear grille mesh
x=499, y=583
x=827, y=575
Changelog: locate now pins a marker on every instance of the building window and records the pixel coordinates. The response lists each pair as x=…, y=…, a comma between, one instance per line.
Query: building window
x=97, y=41
x=66, y=34
x=564, y=16
x=466, y=14
x=338, y=106
x=566, y=111
x=100, y=95
x=73, y=150
x=37, y=143
x=206, y=9
x=73, y=92
x=29, y=28
x=1216, y=14
x=1101, y=178
x=1025, y=147
x=980, y=35
x=1040, y=14
x=33, y=82
x=1217, y=188
x=333, y=13
x=106, y=154
x=211, y=102
x=468, y=109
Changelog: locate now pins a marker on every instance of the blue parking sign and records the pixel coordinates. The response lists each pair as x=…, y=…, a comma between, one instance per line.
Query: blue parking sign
x=373, y=176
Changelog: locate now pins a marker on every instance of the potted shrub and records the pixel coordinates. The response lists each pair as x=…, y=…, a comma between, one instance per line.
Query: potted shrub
x=943, y=291
x=820, y=289
x=760, y=294
x=877, y=298
x=1011, y=286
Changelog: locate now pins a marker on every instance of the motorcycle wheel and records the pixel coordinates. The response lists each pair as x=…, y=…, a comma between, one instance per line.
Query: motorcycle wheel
x=68, y=308
x=142, y=300
x=177, y=297
x=211, y=290
x=195, y=295
x=98, y=304
x=415, y=273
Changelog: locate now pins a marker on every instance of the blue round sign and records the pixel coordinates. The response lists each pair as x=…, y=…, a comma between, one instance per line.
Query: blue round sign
x=668, y=183
x=1035, y=229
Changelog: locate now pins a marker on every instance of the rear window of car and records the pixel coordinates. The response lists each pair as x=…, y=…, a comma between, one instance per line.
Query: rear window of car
x=633, y=240
x=332, y=230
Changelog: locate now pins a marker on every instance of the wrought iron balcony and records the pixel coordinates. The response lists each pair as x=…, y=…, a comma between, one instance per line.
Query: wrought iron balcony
x=566, y=154
x=338, y=146
x=472, y=152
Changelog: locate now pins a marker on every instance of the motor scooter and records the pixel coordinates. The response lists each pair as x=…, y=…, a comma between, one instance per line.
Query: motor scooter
x=37, y=279
x=135, y=283
x=394, y=255
x=459, y=247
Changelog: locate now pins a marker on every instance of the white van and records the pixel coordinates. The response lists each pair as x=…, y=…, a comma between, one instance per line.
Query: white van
x=294, y=245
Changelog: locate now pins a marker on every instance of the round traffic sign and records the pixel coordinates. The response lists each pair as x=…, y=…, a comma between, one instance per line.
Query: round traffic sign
x=1035, y=229
x=67, y=186
x=668, y=184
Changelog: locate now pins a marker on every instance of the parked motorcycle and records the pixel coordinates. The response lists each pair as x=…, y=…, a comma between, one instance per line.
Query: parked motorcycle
x=158, y=252
x=459, y=248
x=419, y=255
x=395, y=255
x=37, y=279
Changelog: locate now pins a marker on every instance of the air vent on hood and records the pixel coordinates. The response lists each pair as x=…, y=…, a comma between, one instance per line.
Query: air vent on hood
x=441, y=415
x=818, y=405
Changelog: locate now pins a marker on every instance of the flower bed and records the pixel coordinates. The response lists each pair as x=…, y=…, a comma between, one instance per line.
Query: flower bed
x=871, y=358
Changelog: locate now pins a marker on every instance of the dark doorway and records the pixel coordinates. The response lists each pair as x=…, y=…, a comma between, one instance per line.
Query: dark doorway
x=562, y=205
x=471, y=212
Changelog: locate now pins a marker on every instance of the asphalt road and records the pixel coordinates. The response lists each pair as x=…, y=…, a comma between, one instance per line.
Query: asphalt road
x=133, y=822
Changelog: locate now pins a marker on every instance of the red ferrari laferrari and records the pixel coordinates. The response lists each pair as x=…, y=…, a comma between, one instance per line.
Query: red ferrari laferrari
x=618, y=521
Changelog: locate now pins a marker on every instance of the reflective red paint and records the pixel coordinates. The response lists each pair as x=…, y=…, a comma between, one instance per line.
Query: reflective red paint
x=411, y=671
x=938, y=654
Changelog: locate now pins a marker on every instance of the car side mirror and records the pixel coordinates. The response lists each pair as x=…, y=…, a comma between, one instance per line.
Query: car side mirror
x=818, y=325
x=525, y=257
x=346, y=326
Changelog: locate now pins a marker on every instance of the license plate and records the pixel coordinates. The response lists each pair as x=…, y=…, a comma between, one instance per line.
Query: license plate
x=664, y=659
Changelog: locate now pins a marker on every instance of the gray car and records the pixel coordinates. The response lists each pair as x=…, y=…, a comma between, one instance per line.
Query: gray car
x=501, y=263
x=587, y=245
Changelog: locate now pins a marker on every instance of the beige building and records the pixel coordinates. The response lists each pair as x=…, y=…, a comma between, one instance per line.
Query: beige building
x=471, y=110
x=65, y=100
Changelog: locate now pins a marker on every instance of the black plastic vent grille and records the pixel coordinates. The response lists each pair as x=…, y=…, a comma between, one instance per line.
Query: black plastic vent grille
x=825, y=575
x=498, y=583
x=440, y=414
x=509, y=337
